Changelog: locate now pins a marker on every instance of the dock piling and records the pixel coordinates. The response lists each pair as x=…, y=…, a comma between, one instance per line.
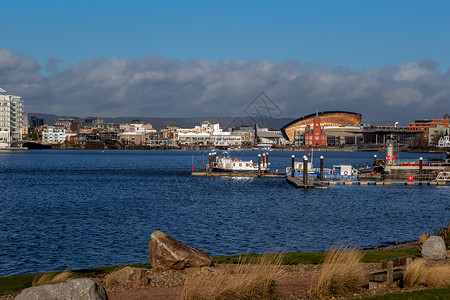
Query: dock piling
x=420, y=167
x=321, y=168
x=259, y=164
x=305, y=170
x=292, y=165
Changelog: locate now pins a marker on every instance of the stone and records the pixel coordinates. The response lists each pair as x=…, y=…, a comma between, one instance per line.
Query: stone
x=83, y=288
x=167, y=253
x=434, y=248
x=129, y=277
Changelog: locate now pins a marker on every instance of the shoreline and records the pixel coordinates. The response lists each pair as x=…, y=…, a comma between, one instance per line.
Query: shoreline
x=396, y=246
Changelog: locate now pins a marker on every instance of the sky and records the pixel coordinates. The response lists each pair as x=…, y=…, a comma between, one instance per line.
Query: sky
x=388, y=60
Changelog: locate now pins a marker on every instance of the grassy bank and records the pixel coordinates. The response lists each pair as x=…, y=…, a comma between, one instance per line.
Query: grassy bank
x=16, y=283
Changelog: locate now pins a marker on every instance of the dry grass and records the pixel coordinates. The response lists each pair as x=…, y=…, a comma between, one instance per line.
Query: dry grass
x=341, y=272
x=254, y=280
x=413, y=273
x=437, y=276
x=51, y=278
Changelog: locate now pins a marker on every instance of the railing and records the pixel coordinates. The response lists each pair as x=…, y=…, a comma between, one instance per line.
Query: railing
x=443, y=176
x=412, y=178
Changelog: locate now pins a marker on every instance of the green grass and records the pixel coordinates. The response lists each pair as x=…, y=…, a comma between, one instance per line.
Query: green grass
x=16, y=283
x=436, y=294
x=295, y=258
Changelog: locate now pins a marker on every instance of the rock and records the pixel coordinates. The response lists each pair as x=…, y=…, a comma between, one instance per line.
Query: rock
x=85, y=289
x=434, y=248
x=168, y=253
x=128, y=276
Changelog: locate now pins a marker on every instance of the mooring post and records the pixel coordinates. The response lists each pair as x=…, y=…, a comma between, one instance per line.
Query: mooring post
x=292, y=165
x=420, y=168
x=264, y=159
x=259, y=164
x=305, y=171
x=375, y=160
x=321, y=168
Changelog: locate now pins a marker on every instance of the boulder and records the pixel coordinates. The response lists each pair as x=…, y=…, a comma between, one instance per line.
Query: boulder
x=85, y=289
x=168, y=253
x=129, y=277
x=434, y=248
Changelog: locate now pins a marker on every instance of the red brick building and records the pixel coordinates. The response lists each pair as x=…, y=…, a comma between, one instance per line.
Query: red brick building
x=315, y=137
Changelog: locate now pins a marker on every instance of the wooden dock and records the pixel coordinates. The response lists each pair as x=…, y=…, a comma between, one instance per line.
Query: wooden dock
x=203, y=173
x=311, y=184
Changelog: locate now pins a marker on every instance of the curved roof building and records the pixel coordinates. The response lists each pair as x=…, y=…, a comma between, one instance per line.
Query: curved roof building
x=327, y=119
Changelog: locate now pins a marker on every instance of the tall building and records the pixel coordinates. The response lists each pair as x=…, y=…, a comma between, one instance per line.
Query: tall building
x=11, y=121
x=315, y=137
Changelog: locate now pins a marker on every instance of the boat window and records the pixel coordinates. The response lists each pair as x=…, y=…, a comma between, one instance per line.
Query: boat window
x=240, y=165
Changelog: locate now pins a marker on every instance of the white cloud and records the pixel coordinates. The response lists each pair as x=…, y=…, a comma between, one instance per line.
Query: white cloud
x=155, y=86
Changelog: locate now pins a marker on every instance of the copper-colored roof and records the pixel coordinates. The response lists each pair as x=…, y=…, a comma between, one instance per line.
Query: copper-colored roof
x=327, y=118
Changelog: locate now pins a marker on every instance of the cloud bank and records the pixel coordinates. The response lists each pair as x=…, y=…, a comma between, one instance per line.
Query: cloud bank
x=155, y=86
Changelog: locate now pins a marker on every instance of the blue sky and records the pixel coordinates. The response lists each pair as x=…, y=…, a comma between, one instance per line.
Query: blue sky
x=210, y=58
x=355, y=34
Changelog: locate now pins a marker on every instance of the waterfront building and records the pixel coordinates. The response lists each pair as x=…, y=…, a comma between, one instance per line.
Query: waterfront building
x=11, y=121
x=315, y=137
x=342, y=125
x=424, y=126
x=53, y=135
x=379, y=135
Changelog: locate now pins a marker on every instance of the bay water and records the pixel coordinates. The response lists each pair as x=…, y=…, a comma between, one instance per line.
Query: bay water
x=80, y=209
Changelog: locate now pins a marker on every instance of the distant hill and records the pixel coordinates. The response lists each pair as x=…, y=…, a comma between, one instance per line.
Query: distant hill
x=158, y=123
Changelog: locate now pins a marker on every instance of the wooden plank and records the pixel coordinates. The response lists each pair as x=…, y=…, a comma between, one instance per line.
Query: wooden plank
x=382, y=276
x=397, y=261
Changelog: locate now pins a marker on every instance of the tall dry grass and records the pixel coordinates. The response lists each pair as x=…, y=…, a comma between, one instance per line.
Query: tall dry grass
x=437, y=276
x=51, y=278
x=341, y=272
x=249, y=280
x=414, y=273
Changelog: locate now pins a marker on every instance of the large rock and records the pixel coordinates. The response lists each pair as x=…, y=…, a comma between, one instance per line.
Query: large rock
x=168, y=253
x=434, y=248
x=85, y=289
x=128, y=276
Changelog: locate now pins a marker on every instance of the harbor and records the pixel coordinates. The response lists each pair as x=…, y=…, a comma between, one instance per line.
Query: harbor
x=302, y=174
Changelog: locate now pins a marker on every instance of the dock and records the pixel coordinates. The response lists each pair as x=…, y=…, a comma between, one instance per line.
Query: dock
x=203, y=173
x=386, y=182
x=311, y=184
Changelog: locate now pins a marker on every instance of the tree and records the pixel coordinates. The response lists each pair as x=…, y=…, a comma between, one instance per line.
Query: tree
x=34, y=136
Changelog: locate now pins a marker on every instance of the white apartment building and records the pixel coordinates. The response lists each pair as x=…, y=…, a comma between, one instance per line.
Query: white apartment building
x=53, y=135
x=11, y=121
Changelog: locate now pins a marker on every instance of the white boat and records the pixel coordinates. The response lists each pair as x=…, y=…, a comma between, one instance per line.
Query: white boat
x=225, y=163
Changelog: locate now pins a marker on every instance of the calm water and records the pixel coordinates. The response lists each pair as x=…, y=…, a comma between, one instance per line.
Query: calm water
x=71, y=209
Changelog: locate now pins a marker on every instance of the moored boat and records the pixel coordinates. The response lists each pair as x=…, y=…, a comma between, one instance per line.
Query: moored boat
x=225, y=163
